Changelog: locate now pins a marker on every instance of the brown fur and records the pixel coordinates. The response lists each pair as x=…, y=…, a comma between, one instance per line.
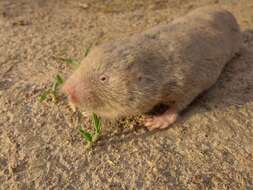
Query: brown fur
x=170, y=64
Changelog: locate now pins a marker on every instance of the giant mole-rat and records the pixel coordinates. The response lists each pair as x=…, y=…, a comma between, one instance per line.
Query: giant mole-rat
x=169, y=64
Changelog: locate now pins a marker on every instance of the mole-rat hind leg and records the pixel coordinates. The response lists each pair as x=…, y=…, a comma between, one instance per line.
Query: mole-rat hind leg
x=162, y=121
x=170, y=116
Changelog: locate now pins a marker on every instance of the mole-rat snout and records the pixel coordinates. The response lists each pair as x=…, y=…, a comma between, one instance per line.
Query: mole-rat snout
x=71, y=92
x=78, y=93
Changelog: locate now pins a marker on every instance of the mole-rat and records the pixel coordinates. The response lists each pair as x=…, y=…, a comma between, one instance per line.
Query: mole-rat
x=169, y=64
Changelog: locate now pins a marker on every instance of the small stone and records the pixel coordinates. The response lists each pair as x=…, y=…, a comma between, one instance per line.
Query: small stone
x=72, y=107
x=10, y=116
x=21, y=23
x=83, y=5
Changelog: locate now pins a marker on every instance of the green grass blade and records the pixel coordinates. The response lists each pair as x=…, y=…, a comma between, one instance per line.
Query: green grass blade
x=59, y=79
x=57, y=82
x=98, y=128
x=87, y=51
x=44, y=96
x=87, y=136
x=97, y=123
x=70, y=61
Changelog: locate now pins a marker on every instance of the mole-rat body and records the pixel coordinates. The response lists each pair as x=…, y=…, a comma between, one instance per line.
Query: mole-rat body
x=169, y=64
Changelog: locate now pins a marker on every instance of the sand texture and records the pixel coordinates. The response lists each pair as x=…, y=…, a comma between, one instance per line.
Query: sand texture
x=210, y=147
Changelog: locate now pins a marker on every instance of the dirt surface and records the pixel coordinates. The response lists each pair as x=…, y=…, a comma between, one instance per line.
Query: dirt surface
x=210, y=147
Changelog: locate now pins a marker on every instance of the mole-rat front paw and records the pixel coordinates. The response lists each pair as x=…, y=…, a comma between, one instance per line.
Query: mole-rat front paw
x=161, y=121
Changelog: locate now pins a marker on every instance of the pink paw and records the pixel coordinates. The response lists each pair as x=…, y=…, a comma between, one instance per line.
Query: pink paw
x=161, y=121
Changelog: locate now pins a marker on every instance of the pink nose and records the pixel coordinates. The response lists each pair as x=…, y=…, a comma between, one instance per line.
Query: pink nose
x=70, y=91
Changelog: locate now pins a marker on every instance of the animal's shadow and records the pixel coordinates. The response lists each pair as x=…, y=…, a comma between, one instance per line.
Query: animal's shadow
x=233, y=88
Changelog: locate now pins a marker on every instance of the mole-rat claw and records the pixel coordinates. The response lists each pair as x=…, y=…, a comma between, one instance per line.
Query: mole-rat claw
x=161, y=121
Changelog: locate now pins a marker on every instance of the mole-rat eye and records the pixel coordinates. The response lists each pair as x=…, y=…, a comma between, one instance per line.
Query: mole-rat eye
x=103, y=78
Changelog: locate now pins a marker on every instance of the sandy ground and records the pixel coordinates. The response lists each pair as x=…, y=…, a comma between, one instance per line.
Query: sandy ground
x=211, y=147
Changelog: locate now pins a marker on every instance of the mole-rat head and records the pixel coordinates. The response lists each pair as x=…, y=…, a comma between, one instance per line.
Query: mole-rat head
x=112, y=82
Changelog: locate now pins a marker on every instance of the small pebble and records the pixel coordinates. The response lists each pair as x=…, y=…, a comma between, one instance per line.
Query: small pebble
x=83, y=5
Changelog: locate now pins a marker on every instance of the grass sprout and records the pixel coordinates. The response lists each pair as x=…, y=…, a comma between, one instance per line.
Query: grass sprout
x=86, y=135
x=70, y=61
x=44, y=95
x=87, y=51
x=92, y=137
x=58, y=81
x=52, y=92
